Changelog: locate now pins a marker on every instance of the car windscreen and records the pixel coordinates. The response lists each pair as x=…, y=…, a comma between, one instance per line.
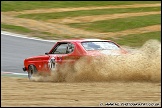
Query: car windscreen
x=99, y=45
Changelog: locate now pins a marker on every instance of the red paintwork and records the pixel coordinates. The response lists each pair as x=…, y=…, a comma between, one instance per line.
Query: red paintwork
x=41, y=61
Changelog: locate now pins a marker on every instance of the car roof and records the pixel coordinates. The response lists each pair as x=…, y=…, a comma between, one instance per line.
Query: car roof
x=81, y=40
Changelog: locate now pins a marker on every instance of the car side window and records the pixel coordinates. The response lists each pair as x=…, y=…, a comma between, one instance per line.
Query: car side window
x=63, y=48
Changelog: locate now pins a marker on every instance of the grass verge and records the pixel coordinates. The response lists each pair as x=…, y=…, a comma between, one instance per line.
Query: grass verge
x=34, y=33
x=119, y=24
x=15, y=28
x=137, y=40
x=26, y=5
x=57, y=15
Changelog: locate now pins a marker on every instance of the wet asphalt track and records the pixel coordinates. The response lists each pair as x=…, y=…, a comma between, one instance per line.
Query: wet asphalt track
x=15, y=49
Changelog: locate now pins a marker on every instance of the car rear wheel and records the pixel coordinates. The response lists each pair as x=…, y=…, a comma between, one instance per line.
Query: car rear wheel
x=31, y=71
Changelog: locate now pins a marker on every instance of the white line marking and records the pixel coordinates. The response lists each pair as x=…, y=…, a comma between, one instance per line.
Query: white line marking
x=13, y=73
x=24, y=36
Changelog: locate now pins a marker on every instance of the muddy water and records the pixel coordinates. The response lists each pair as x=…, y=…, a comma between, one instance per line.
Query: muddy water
x=22, y=92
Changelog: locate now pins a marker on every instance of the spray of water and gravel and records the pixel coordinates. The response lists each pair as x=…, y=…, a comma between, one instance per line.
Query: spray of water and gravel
x=140, y=64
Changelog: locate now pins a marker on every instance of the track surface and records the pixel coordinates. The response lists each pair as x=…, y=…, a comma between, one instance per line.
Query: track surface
x=15, y=49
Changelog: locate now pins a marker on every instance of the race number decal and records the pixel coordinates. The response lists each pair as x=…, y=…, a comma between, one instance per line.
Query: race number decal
x=51, y=63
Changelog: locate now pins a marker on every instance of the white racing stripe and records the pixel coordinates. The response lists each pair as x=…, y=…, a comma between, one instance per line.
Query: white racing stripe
x=24, y=36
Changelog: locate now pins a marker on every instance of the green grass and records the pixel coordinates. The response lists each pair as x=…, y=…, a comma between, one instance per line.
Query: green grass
x=29, y=5
x=15, y=28
x=114, y=25
x=137, y=40
x=120, y=23
x=34, y=33
x=57, y=15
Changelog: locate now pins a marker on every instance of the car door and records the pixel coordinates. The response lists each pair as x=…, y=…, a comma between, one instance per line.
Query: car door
x=61, y=54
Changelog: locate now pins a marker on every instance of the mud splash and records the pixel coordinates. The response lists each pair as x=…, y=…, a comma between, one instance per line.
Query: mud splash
x=141, y=65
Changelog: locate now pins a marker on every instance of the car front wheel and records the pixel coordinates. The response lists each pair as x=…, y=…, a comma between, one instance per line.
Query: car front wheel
x=31, y=71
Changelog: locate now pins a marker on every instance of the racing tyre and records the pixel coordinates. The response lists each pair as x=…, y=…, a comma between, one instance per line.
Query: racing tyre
x=32, y=71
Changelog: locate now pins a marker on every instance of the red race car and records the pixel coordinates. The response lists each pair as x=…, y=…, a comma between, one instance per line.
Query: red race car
x=69, y=51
